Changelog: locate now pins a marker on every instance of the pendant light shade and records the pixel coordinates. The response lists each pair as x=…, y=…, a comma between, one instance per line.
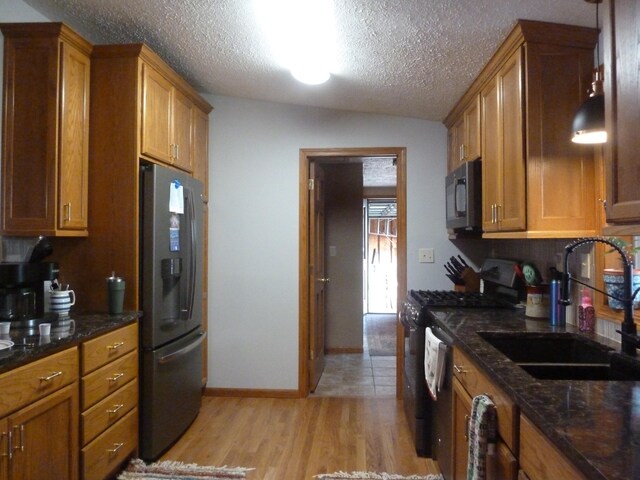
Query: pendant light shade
x=588, y=123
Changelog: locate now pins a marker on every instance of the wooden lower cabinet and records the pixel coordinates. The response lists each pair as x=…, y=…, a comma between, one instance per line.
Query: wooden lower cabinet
x=468, y=382
x=461, y=413
x=539, y=459
x=109, y=403
x=39, y=424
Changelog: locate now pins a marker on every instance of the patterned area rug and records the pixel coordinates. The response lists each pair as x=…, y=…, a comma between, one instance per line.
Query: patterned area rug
x=381, y=334
x=170, y=470
x=375, y=476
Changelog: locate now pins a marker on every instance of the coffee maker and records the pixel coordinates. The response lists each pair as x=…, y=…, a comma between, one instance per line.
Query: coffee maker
x=22, y=286
x=22, y=295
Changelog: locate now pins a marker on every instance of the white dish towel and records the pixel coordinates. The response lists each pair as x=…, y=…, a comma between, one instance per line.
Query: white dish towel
x=434, y=359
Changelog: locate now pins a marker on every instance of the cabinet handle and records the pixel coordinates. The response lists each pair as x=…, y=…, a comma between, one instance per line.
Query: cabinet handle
x=67, y=207
x=21, y=446
x=115, y=346
x=114, y=410
x=467, y=420
x=464, y=151
x=460, y=369
x=116, y=377
x=50, y=377
x=498, y=207
x=9, y=448
x=177, y=151
x=116, y=447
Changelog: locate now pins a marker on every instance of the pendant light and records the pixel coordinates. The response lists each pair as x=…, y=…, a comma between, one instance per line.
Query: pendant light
x=588, y=123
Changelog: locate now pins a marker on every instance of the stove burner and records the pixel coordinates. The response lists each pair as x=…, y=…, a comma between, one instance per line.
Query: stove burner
x=449, y=298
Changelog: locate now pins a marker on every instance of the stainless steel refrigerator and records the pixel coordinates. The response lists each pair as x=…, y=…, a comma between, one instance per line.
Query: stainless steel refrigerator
x=171, y=327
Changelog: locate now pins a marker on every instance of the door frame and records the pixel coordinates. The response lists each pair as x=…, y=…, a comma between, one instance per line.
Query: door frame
x=305, y=157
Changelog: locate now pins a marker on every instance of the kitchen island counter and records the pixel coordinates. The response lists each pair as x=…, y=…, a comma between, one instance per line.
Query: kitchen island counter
x=29, y=345
x=596, y=424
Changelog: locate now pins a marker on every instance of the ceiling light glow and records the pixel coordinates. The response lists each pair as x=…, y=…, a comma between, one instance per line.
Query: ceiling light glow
x=302, y=36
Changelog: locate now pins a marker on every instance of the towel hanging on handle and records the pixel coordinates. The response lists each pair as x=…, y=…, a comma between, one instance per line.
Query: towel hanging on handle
x=482, y=437
x=434, y=359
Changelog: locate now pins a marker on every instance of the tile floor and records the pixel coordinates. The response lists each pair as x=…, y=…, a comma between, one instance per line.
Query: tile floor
x=358, y=375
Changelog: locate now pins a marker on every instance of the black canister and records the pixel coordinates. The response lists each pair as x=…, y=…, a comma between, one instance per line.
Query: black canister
x=115, y=294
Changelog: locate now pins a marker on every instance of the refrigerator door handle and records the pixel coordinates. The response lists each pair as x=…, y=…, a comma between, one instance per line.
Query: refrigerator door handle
x=193, y=257
x=183, y=351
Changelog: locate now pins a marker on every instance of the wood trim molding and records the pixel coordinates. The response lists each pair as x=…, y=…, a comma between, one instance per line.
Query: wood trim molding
x=306, y=155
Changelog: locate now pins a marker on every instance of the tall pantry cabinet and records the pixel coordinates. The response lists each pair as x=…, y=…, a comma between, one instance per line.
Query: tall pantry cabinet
x=132, y=121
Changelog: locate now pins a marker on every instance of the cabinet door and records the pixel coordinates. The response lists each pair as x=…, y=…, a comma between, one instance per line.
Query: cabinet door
x=512, y=209
x=452, y=150
x=471, y=149
x=182, y=139
x=4, y=449
x=156, y=115
x=74, y=140
x=45, y=437
x=622, y=110
x=29, y=140
x=491, y=155
x=461, y=413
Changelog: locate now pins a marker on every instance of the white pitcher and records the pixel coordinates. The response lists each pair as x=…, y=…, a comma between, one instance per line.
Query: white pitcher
x=61, y=301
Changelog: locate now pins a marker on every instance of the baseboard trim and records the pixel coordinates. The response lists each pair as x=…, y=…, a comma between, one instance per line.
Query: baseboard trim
x=335, y=350
x=251, y=393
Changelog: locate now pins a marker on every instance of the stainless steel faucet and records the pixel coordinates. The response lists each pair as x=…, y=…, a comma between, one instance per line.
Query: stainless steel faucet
x=628, y=331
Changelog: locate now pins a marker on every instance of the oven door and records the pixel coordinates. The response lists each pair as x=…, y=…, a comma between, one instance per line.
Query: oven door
x=416, y=400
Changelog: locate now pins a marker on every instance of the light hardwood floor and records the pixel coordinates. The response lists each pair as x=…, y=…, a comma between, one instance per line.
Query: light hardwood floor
x=295, y=439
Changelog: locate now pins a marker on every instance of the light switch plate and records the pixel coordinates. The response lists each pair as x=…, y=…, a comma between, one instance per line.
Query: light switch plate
x=426, y=255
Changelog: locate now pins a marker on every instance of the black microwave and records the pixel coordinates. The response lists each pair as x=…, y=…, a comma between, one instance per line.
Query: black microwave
x=464, y=197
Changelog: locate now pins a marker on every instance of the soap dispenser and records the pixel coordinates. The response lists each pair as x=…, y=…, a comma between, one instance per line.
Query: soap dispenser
x=586, y=313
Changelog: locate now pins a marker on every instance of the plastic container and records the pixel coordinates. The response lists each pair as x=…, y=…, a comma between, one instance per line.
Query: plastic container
x=586, y=313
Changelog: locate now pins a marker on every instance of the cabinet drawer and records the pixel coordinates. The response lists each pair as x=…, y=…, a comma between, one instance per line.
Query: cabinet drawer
x=540, y=459
x=35, y=380
x=111, y=449
x=476, y=383
x=107, y=412
x=108, y=379
x=102, y=350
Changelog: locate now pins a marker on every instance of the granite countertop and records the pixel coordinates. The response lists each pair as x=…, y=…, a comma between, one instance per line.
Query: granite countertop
x=596, y=424
x=30, y=346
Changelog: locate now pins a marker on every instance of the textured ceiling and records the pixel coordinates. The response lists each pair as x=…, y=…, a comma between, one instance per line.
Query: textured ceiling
x=411, y=58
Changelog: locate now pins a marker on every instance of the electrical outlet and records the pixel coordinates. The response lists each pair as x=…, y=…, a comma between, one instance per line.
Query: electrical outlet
x=426, y=255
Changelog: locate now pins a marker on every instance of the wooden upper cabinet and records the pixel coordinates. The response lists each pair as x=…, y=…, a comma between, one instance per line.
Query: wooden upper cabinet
x=536, y=182
x=503, y=150
x=621, y=30
x=167, y=121
x=45, y=130
x=464, y=135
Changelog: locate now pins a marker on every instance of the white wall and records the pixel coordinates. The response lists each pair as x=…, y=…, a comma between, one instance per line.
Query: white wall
x=254, y=150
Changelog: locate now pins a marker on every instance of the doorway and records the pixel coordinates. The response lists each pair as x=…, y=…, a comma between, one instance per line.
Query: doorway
x=381, y=255
x=307, y=280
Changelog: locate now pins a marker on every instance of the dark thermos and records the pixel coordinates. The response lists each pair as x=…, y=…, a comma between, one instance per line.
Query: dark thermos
x=115, y=294
x=557, y=311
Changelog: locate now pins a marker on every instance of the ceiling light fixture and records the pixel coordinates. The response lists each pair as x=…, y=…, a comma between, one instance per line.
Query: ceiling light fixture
x=302, y=34
x=588, y=123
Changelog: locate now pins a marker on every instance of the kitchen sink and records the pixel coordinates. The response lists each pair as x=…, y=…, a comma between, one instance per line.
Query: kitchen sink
x=547, y=347
x=563, y=356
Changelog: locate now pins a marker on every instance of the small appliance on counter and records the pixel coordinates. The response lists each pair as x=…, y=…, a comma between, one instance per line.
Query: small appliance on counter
x=24, y=285
x=22, y=292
